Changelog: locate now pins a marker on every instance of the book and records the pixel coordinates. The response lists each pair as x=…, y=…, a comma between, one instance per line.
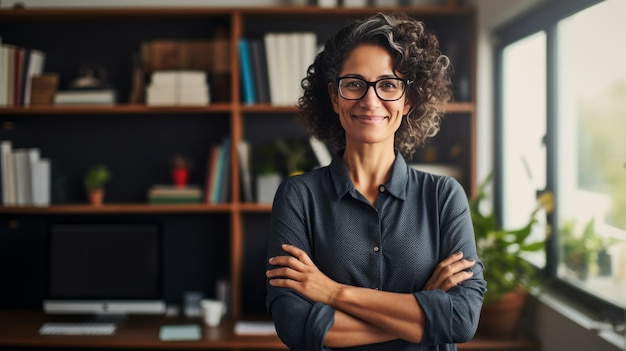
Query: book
x=212, y=165
x=172, y=194
x=183, y=332
x=175, y=191
x=273, y=68
x=220, y=183
x=40, y=173
x=22, y=178
x=34, y=67
x=178, y=88
x=18, y=71
x=42, y=88
x=192, y=78
x=259, y=71
x=9, y=190
x=4, y=72
x=85, y=97
x=246, y=78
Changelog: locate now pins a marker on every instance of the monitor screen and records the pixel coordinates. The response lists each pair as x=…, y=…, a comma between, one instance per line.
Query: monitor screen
x=105, y=268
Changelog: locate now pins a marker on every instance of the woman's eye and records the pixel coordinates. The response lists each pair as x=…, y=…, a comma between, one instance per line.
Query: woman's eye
x=354, y=85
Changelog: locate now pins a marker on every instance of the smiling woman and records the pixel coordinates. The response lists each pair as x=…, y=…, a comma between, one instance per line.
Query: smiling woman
x=368, y=252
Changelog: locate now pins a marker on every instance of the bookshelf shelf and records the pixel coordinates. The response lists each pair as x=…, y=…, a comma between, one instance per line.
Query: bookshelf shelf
x=116, y=109
x=137, y=141
x=110, y=208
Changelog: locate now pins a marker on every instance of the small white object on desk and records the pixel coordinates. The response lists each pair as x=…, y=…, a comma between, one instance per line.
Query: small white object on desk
x=255, y=328
x=77, y=329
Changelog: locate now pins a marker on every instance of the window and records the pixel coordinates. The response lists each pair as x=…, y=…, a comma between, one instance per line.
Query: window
x=561, y=120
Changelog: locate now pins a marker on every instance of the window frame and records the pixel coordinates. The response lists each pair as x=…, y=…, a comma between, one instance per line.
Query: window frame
x=543, y=18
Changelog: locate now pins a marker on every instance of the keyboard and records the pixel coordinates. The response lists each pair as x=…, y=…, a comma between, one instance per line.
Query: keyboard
x=77, y=328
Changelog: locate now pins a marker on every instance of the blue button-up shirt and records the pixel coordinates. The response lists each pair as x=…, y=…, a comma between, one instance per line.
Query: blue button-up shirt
x=418, y=220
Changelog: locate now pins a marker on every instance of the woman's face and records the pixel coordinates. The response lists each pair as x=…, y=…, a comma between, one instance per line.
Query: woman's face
x=369, y=120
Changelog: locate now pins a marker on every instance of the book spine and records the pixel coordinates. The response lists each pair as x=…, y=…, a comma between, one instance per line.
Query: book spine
x=273, y=69
x=212, y=173
x=224, y=171
x=247, y=80
x=257, y=53
x=8, y=174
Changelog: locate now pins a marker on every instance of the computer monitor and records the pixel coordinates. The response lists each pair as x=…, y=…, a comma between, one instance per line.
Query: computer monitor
x=105, y=269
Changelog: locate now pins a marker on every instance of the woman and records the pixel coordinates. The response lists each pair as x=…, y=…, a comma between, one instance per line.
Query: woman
x=368, y=252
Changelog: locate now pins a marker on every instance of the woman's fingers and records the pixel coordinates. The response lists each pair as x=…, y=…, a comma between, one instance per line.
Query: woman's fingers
x=450, y=272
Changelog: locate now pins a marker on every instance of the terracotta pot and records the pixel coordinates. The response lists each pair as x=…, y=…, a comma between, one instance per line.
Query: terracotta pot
x=96, y=197
x=499, y=319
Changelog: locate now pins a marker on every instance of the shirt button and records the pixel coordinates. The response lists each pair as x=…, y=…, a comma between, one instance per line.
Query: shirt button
x=376, y=249
x=381, y=188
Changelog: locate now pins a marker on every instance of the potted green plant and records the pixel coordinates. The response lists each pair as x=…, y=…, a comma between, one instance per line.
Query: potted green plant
x=94, y=181
x=509, y=276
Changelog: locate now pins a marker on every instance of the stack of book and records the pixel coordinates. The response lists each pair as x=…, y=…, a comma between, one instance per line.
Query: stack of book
x=25, y=176
x=172, y=194
x=105, y=96
x=178, y=88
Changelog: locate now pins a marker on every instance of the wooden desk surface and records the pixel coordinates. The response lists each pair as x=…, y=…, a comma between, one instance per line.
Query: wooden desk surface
x=21, y=328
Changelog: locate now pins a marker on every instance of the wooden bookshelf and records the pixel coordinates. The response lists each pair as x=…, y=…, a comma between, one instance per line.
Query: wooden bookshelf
x=136, y=141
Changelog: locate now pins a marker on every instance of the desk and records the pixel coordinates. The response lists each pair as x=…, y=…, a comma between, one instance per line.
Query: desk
x=20, y=329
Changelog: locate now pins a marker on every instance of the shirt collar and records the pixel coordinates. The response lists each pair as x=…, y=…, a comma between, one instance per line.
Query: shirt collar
x=396, y=185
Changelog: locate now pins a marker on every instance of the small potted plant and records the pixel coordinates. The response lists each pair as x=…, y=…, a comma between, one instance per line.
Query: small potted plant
x=94, y=181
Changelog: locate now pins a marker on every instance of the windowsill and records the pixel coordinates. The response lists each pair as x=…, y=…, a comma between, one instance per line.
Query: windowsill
x=584, y=318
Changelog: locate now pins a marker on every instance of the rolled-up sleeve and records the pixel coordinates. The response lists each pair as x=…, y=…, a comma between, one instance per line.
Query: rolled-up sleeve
x=300, y=323
x=452, y=316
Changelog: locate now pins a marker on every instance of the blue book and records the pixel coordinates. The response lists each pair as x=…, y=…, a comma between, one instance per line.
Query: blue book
x=247, y=79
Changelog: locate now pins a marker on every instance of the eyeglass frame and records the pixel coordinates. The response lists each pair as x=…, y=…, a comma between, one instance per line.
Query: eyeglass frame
x=368, y=84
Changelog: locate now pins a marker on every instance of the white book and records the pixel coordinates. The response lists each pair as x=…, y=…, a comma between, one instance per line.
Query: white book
x=283, y=61
x=273, y=69
x=153, y=99
x=35, y=68
x=192, y=78
x=40, y=173
x=294, y=69
x=32, y=158
x=9, y=190
x=193, y=101
x=164, y=78
x=85, y=97
x=22, y=181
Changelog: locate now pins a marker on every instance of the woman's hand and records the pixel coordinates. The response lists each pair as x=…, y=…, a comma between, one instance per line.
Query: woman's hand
x=450, y=272
x=298, y=272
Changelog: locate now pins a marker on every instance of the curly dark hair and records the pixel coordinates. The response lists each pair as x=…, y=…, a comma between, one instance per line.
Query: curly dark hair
x=416, y=57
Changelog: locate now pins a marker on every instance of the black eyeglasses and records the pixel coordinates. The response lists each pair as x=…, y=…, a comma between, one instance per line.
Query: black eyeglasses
x=387, y=89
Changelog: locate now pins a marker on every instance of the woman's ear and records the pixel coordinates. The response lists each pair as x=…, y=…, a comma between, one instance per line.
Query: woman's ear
x=408, y=107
